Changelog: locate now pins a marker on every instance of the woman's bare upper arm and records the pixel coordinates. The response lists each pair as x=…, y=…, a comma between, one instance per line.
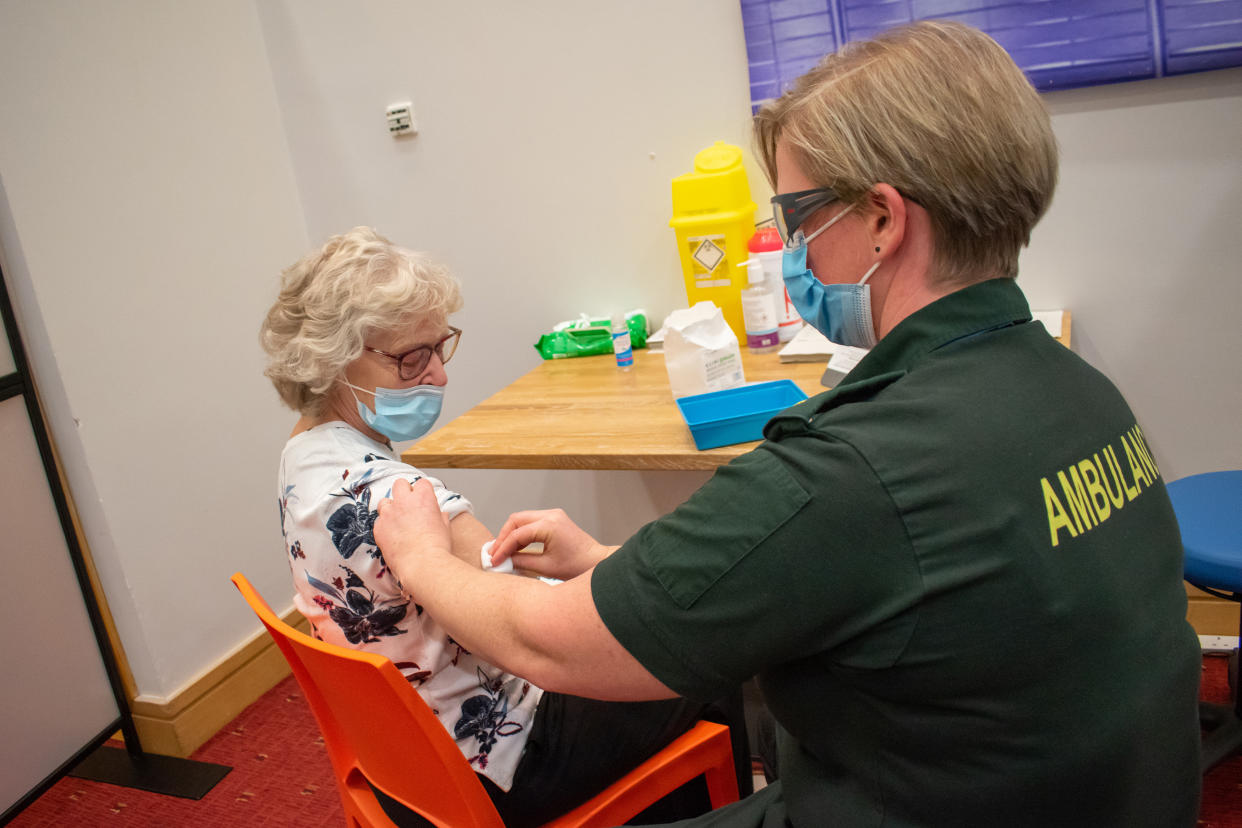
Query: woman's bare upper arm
x=469, y=535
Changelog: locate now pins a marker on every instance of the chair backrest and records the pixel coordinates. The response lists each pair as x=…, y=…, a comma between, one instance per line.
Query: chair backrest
x=378, y=729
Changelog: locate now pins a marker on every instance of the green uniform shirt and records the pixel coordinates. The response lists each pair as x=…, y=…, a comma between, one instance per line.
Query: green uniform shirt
x=957, y=576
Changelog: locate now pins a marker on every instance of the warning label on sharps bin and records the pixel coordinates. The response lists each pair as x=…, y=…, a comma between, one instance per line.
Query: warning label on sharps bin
x=707, y=252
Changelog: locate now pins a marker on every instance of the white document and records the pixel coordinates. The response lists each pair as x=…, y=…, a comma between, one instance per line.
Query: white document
x=1051, y=320
x=808, y=345
x=845, y=357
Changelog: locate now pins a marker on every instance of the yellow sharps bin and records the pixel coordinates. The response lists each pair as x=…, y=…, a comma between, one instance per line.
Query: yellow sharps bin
x=714, y=218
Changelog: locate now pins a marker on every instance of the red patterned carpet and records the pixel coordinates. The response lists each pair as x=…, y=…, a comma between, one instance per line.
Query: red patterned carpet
x=281, y=777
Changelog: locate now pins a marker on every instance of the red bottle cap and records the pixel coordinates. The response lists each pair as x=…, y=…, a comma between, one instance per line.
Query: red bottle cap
x=765, y=240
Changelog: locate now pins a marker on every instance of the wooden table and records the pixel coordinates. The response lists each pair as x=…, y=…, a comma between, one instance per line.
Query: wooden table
x=585, y=413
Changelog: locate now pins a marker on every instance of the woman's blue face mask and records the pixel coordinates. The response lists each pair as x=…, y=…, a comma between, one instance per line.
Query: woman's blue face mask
x=401, y=413
x=840, y=312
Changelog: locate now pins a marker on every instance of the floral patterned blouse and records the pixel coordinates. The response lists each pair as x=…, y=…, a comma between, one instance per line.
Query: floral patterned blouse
x=331, y=478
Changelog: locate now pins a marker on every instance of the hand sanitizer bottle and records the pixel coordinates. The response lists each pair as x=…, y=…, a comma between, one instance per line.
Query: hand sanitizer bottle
x=621, y=342
x=759, y=311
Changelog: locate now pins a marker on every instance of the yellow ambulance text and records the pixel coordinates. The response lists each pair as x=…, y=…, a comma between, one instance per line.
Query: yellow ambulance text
x=1085, y=494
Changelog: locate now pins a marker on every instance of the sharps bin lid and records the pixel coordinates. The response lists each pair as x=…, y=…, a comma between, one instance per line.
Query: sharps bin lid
x=716, y=190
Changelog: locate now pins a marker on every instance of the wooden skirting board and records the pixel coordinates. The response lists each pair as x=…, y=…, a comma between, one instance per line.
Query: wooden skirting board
x=1210, y=615
x=179, y=726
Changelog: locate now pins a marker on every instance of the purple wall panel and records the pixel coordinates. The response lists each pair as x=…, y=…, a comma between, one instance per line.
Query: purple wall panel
x=1058, y=43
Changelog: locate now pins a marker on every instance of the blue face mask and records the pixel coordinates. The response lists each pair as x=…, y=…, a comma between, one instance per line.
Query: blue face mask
x=840, y=312
x=402, y=413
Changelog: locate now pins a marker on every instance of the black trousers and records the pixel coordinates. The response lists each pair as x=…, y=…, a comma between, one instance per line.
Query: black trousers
x=577, y=747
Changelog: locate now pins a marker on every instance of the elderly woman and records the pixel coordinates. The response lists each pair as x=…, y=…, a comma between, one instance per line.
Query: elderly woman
x=357, y=343
x=956, y=575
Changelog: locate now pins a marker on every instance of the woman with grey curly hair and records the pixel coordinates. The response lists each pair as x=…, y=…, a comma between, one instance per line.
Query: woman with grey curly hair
x=357, y=283
x=357, y=343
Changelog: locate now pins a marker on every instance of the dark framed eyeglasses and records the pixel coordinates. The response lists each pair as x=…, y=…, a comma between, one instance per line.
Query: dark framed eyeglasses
x=789, y=210
x=413, y=362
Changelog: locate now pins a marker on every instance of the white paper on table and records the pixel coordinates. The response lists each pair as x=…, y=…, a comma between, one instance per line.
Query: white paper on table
x=1051, y=320
x=808, y=345
x=843, y=360
x=845, y=357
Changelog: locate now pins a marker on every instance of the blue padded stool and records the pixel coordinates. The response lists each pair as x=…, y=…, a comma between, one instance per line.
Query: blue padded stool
x=1209, y=514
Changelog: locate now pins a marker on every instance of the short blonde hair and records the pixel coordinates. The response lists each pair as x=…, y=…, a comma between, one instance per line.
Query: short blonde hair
x=331, y=300
x=939, y=111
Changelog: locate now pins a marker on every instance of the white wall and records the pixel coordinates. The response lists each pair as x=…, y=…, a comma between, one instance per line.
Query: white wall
x=549, y=133
x=159, y=227
x=1144, y=245
x=153, y=199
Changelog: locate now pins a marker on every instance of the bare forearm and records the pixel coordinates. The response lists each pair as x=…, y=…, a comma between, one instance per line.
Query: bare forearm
x=548, y=634
x=481, y=610
x=468, y=536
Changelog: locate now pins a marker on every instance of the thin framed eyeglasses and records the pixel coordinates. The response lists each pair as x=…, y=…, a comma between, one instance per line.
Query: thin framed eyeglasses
x=789, y=210
x=413, y=362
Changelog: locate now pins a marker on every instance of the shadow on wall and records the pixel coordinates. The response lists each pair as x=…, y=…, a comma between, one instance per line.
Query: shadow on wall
x=1200, y=86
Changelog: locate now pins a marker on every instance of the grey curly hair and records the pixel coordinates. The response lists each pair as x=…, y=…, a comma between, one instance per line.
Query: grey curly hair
x=333, y=298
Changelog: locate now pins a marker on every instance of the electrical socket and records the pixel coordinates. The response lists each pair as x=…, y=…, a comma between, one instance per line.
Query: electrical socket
x=401, y=119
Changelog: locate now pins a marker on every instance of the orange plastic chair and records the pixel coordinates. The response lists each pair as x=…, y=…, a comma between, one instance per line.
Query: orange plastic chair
x=396, y=743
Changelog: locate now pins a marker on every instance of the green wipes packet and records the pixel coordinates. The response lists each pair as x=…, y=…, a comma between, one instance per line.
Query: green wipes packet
x=587, y=336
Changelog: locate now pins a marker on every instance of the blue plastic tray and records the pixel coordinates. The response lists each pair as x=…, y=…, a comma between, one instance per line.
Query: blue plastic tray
x=736, y=415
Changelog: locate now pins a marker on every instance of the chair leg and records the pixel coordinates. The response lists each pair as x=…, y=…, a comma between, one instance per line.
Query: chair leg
x=1233, y=682
x=722, y=787
x=1224, y=736
x=1233, y=663
x=1223, y=722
